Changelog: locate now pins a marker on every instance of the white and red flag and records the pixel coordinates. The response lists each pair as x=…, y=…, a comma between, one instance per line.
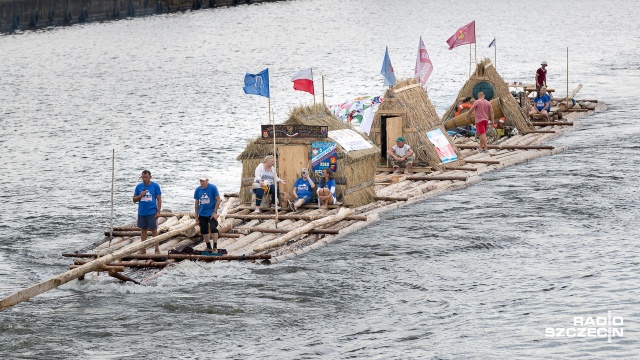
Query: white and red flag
x=303, y=81
x=424, y=67
x=464, y=35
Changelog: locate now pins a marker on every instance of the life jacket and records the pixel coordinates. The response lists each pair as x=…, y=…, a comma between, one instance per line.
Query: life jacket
x=463, y=106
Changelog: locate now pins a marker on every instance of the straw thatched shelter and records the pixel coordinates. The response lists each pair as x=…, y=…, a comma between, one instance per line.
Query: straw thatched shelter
x=407, y=111
x=485, y=78
x=355, y=170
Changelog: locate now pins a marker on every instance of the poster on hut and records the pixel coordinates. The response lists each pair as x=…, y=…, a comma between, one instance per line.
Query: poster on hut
x=324, y=155
x=349, y=140
x=443, y=147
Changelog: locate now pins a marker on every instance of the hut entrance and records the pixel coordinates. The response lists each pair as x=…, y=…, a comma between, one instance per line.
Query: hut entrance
x=391, y=128
x=291, y=158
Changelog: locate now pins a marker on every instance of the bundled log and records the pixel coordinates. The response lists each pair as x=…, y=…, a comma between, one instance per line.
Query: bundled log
x=284, y=231
x=289, y=217
x=343, y=213
x=480, y=161
x=391, y=198
x=134, y=264
x=508, y=147
x=468, y=118
x=438, y=177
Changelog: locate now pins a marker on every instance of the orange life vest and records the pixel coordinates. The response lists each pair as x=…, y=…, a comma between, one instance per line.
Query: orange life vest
x=463, y=106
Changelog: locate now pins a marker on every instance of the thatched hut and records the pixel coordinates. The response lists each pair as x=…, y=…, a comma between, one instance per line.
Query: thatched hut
x=355, y=169
x=407, y=111
x=486, y=79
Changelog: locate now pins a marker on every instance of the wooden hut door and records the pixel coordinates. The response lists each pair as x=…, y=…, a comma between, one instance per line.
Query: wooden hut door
x=291, y=158
x=394, y=130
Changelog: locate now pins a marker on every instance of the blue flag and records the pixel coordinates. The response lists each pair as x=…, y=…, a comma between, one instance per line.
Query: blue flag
x=493, y=42
x=257, y=84
x=387, y=70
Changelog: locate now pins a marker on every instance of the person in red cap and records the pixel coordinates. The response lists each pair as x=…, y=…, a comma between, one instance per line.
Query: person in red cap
x=541, y=76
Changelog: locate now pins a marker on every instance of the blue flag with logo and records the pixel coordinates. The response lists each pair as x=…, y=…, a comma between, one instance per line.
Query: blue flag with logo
x=387, y=70
x=257, y=84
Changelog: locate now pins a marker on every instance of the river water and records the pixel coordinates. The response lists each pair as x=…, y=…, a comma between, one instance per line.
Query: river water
x=483, y=272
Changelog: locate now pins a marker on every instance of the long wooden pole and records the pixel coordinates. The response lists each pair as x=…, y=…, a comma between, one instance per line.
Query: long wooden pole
x=113, y=177
x=314, y=90
x=475, y=52
x=275, y=168
x=469, y=60
x=65, y=277
x=495, y=53
x=567, y=76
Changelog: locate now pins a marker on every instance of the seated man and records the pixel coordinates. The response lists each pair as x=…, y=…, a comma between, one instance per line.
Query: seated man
x=302, y=191
x=401, y=154
x=541, y=104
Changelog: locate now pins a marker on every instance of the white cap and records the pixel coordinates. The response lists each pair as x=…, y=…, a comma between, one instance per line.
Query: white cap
x=204, y=177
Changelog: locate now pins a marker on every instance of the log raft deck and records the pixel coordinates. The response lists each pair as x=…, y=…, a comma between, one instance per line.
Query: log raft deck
x=255, y=237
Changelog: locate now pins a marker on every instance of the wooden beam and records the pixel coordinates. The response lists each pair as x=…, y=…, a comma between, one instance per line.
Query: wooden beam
x=107, y=268
x=541, y=132
x=290, y=216
x=391, y=198
x=463, y=168
x=480, y=161
x=362, y=185
x=508, y=147
x=437, y=177
x=123, y=277
x=413, y=169
x=551, y=123
x=283, y=231
x=132, y=264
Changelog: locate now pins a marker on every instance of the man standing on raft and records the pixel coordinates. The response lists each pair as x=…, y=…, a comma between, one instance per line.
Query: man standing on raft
x=484, y=116
x=206, y=208
x=148, y=196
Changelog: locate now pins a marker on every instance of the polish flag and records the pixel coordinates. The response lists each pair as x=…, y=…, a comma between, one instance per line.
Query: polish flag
x=303, y=81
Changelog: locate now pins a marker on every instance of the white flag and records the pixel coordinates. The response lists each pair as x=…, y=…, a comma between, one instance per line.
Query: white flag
x=424, y=67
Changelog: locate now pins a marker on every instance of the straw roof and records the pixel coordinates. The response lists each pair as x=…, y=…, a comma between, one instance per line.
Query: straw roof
x=514, y=115
x=356, y=169
x=407, y=99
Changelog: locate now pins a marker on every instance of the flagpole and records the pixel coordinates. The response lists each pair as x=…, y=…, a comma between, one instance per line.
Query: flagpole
x=469, y=60
x=495, y=53
x=314, y=90
x=475, y=52
x=275, y=164
x=323, y=89
x=113, y=172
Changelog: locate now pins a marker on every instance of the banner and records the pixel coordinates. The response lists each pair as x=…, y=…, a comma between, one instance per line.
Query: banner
x=294, y=131
x=257, y=84
x=323, y=155
x=424, y=67
x=464, y=35
x=349, y=140
x=443, y=147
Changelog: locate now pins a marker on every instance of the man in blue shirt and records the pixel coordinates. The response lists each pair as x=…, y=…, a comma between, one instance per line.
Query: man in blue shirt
x=207, y=201
x=541, y=104
x=148, y=196
x=302, y=190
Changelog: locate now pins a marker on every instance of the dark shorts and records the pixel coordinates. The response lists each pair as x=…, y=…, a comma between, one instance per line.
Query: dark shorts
x=148, y=222
x=205, y=223
x=307, y=199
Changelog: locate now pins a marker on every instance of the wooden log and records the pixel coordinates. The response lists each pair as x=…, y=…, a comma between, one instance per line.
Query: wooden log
x=480, y=161
x=65, y=277
x=206, y=258
x=133, y=264
x=438, y=177
x=127, y=233
x=509, y=147
x=284, y=231
x=228, y=235
x=231, y=195
x=289, y=217
x=123, y=277
x=577, y=110
x=107, y=268
x=344, y=212
x=551, y=123
x=541, y=132
x=391, y=198
x=468, y=118
x=463, y=168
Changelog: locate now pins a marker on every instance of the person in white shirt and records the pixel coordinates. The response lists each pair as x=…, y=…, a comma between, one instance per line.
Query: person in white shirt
x=399, y=155
x=264, y=181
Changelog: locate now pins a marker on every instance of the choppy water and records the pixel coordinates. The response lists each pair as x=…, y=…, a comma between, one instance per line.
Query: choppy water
x=476, y=273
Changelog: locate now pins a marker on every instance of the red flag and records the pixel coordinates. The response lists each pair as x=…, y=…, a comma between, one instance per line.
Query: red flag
x=424, y=67
x=464, y=35
x=303, y=81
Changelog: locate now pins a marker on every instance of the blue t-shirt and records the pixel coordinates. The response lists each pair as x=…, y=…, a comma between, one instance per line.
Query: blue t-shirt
x=206, y=199
x=303, y=188
x=148, y=204
x=539, y=101
x=331, y=183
